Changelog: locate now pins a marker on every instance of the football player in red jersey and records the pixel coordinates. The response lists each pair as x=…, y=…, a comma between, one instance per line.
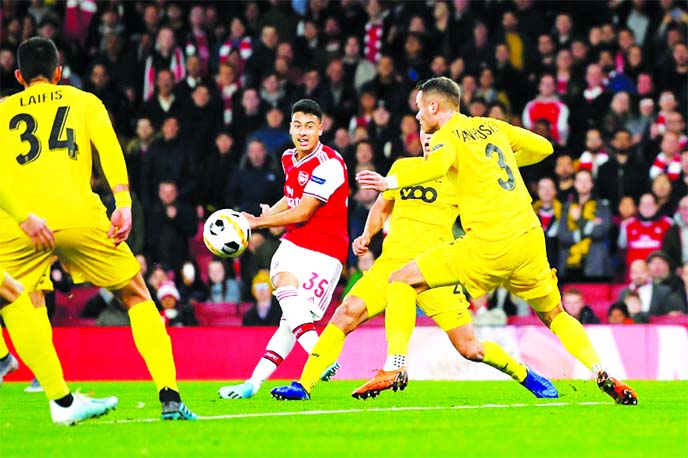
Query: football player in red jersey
x=306, y=267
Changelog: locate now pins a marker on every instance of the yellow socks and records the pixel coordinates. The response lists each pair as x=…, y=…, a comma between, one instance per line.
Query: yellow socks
x=35, y=346
x=324, y=354
x=400, y=317
x=154, y=345
x=496, y=357
x=574, y=338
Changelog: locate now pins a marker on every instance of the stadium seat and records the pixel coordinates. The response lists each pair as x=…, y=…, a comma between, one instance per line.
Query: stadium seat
x=669, y=319
x=526, y=320
x=225, y=314
x=68, y=306
x=615, y=290
x=592, y=292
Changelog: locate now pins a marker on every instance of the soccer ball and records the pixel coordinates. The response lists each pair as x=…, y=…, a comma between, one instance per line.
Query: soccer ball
x=226, y=233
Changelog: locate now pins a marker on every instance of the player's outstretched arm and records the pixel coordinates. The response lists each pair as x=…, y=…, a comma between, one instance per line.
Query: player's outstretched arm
x=105, y=140
x=376, y=219
x=296, y=215
x=438, y=163
x=529, y=148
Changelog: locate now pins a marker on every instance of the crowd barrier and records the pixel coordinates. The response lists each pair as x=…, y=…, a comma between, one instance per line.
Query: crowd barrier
x=224, y=353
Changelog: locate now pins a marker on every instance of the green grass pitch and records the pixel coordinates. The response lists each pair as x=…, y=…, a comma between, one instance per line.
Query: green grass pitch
x=457, y=419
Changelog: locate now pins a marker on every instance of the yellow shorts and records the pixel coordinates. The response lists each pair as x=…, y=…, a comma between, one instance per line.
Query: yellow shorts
x=447, y=306
x=520, y=265
x=85, y=252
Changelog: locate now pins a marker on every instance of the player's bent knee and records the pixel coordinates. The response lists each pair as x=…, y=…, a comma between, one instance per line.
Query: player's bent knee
x=349, y=314
x=471, y=350
x=134, y=292
x=548, y=317
x=10, y=289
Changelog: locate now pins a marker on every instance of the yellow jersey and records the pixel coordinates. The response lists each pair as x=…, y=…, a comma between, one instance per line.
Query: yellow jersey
x=422, y=217
x=481, y=156
x=46, y=159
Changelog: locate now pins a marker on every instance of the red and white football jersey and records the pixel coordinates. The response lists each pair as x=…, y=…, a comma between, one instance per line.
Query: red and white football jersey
x=643, y=237
x=322, y=174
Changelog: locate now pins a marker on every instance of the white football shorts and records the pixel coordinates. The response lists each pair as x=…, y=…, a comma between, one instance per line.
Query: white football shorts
x=318, y=274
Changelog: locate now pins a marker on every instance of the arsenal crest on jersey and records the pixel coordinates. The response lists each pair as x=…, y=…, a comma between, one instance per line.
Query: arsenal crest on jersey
x=303, y=177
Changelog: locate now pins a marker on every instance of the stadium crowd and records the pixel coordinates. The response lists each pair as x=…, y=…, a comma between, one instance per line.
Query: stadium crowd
x=200, y=93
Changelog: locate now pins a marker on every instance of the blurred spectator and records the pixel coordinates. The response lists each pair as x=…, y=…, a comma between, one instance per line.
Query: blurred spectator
x=343, y=93
x=477, y=52
x=357, y=71
x=200, y=120
x=265, y=310
x=314, y=89
x=544, y=57
x=675, y=72
x=618, y=314
x=221, y=288
x=273, y=134
x=564, y=177
x=169, y=158
x=640, y=124
x=583, y=234
x=643, y=234
x=248, y=115
x=166, y=55
x=273, y=93
x=110, y=94
x=633, y=304
x=675, y=243
x=386, y=85
x=684, y=294
x=548, y=210
x=170, y=223
x=164, y=103
x=256, y=182
x=220, y=164
x=367, y=101
x=669, y=159
x=595, y=155
x=228, y=84
x=237, y=41
x=509, y=79
x=188, y=280
x=622, y=175
x=198, y=41
x=195, y=76
x=575, y=305
x=136, y=151
x=174, y=314
x=619, y=114
x=8, y=83
x=662, y=190
x=654, y=298
x=112, y=311
x=155, y=278
x=311, y=52
x=588, y=108
x=262, y=58
x=121, y=65
x=662, y=271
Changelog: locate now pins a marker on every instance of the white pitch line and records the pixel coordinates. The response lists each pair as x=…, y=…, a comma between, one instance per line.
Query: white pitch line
x=374, y=409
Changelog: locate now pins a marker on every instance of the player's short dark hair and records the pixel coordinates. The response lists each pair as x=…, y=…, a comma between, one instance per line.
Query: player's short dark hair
x=444, y=86
x=37, y=57
x=307, y=106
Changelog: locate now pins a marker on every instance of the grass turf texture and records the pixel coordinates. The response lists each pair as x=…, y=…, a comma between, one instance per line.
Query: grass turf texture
x=516, y=425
